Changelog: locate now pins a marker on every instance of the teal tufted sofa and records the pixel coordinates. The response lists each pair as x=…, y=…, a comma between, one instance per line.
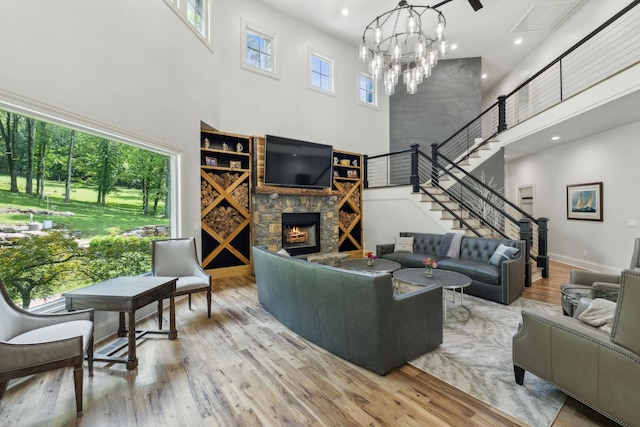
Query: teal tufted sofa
x=353, y=314
x=503, y=283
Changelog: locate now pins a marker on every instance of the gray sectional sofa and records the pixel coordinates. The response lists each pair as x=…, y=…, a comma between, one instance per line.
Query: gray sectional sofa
x=503, y=283
x=353, y=314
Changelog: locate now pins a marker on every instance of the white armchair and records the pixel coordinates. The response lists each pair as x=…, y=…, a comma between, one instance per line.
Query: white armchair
x=34, y=343
x=178, y=258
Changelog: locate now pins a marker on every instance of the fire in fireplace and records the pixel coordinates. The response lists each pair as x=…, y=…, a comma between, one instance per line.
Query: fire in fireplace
x=301, y=233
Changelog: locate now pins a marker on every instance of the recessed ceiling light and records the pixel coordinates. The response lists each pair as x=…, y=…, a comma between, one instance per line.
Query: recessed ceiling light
x=555, y=138
x=484, y=76
x=454, y=46
x=345, y=12
x=517, y=41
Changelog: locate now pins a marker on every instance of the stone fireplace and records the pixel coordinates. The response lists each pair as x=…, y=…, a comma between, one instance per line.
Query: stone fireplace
x=273, y=223
x=301, y=233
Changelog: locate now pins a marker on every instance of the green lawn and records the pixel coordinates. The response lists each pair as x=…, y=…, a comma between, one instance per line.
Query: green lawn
x=122, y=212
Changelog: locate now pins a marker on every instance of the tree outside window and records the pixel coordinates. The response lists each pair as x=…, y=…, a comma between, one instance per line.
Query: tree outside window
x=196, y=15
x=259, y=51
x=94, y=203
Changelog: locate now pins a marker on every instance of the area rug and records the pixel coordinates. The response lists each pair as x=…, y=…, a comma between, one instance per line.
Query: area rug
x=475, y=357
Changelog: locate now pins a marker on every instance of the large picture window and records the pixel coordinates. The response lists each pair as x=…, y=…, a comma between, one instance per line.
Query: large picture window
x=95, y=204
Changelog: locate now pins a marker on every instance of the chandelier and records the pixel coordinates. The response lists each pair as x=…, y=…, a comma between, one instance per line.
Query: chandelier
x=397, y=46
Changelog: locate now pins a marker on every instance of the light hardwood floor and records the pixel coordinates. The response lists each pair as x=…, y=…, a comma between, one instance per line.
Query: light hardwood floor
x=242, y=368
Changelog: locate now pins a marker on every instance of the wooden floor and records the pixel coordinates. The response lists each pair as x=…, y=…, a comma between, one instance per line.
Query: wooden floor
x=242, y=368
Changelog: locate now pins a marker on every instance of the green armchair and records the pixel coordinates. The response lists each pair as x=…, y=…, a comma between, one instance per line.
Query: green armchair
x=600, y=370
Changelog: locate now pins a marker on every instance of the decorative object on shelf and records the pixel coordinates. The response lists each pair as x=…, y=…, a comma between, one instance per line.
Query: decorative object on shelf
x=211, y=161
x=352, y=174
x=372, y=258
x=345, y=162
x=429, y=265
x=225, y=146
x=336, y=173
x=397, y=46
x=354, y=162
x=235, y=164
x=207, y=143
x=335, y=160
x=239, y=148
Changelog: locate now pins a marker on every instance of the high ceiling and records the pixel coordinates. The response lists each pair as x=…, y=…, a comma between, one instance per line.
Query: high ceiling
x=489, y=33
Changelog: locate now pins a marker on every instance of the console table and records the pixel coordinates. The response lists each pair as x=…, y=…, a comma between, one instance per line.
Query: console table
x=126, y=295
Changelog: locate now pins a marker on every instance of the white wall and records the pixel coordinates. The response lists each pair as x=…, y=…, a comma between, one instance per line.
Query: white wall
x=255, y=104
x=610, y=157
x=389, y=211
x=585, y=20
x=134, y=71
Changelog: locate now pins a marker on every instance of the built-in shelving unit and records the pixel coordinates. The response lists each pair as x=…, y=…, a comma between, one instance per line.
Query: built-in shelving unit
x=347, y=180
x=225, y=202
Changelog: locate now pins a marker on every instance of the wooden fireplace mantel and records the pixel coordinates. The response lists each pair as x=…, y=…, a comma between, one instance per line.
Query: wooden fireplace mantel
x=289, y=191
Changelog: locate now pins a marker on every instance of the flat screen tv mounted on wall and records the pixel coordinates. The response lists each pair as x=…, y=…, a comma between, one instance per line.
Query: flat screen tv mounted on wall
x=295, y=163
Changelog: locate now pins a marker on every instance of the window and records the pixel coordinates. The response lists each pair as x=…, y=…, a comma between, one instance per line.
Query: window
x=258, y=50
x=321, y=72
x=367, y=91
x=94, y=188
x=195, y=13
x=196, y=16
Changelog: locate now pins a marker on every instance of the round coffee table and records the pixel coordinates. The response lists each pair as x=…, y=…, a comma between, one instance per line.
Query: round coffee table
x=447, y=279
x=379, y=266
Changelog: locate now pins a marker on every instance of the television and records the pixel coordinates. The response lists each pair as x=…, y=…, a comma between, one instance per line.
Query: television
x=295, y=163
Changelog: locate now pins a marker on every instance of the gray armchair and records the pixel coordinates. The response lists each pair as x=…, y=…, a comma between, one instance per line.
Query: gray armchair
x=33, y=343
x=600, y=370
x=179, y=258
x=594, y=285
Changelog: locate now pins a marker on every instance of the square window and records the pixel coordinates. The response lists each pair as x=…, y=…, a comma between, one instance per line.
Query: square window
x=259, y=50
x=321, y=72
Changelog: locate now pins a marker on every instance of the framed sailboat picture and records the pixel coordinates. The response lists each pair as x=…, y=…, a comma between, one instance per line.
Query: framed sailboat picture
x=584, y=201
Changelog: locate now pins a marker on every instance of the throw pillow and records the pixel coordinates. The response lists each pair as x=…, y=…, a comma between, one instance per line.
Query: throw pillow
x=403, y=244
x=503, y=252
x=283, y=252
x=599, y=314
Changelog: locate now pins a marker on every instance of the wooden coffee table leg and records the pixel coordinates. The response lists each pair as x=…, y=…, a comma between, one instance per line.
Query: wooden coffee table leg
x=132, y=360
x=173, y=333
x=121, y=327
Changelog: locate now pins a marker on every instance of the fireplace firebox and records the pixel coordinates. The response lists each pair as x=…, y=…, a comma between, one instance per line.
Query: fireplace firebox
x=301, y=233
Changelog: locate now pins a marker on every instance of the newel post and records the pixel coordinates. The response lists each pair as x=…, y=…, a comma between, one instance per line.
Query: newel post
x=543, y=255
x=414, y=178
x=525, y=234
